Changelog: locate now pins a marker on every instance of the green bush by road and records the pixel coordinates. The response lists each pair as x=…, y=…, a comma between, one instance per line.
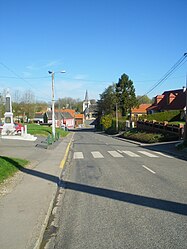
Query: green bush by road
x=163, y=116
x=9, y=166
x=145, y=137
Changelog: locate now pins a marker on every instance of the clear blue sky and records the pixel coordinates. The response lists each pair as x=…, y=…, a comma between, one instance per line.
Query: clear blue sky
x=95, y=41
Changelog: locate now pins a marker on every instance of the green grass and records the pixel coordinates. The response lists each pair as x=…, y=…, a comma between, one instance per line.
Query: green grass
x=9, y=166
x=43, y=130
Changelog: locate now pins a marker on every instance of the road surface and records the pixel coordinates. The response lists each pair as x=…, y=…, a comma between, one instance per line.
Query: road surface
x=116, y=194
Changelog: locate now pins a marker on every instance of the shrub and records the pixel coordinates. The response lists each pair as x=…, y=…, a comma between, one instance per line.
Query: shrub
x=106, y=121
x=163, y=116
x=145, y=137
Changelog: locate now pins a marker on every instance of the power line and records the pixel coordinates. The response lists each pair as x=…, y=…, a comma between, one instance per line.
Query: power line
x=178, y=64
x=17, y=75
x=93, y=80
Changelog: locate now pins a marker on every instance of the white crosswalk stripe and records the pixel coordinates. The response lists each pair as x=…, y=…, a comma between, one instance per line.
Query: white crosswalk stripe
x=78, y=155
x=130, y=153
x=147, y=153
x=163, y=154
x=115, y=153
x=120, y=154
x=97, y=154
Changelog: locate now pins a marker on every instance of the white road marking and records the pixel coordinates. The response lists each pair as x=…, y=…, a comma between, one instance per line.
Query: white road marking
x=130, y=153
x=162, y=154
x=120, y=151
x=97, y=154
x=115, y=153
x=147, y=153
x=78, y=155
x=150, y=170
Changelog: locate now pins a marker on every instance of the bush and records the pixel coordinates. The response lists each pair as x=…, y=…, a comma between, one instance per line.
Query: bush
x=145, y=137
x=106, y=121
x=163, y=116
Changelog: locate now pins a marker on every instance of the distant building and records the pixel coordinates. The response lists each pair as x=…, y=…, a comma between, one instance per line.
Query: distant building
x=139, y=111
x=89, y=109
x=79, y=120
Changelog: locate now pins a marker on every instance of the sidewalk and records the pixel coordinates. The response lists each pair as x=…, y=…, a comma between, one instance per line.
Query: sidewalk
x=24, y=211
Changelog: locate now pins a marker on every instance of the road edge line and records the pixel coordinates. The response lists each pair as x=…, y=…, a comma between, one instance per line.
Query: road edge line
x=62, y=163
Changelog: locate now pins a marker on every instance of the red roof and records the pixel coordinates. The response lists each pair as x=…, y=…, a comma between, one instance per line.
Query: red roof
x=79, y=116
x=172, y=100
x=142, y=109
x=71, y=111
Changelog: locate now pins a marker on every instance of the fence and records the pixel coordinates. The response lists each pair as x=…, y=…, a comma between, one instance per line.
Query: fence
x=164, y=128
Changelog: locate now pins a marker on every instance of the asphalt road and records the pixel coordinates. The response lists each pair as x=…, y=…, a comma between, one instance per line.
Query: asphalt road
x=116, y=195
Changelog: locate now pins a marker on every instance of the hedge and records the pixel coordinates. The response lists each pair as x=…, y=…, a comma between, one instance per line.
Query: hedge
x=163, y=116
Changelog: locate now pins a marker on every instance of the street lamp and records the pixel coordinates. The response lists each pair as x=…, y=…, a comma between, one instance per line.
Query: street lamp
x=53, y=101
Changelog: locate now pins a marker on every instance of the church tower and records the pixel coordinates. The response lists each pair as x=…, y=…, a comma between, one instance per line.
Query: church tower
x=86, y=104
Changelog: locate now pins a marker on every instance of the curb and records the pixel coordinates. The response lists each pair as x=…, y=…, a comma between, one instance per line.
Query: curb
x=173, y=153
x=51, y=205
x=66, y=153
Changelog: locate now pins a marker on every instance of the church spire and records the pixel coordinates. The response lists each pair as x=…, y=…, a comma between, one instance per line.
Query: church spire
x=86, y=96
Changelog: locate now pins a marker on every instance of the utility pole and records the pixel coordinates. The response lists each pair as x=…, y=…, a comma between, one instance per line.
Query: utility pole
x=53, y=102
x=185, y=127
x=116, y=116
x=53, y=106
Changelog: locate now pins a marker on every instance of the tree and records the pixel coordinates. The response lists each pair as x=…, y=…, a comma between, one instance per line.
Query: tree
x=41, y=106
x=125, y=93
x=70, y=103
x=144, y=99
x=28, y=104
x=106, y=104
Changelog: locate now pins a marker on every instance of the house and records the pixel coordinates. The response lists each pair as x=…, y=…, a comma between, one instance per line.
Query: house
x=139, y=111
x=60, y=119
x=68, y=120
x=79, y=120
x=169, y=101
x=68, y=117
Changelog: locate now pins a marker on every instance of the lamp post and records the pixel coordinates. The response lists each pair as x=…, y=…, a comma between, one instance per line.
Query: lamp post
x=53, y=101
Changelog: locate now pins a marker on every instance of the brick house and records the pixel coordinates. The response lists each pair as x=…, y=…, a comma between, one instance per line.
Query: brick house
x=79, y=120
x=169, y=101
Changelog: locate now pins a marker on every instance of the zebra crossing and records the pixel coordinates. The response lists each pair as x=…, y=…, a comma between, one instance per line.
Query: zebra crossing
x=121, y=154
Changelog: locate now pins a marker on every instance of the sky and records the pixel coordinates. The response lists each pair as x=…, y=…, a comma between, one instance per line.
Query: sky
x=95, y=42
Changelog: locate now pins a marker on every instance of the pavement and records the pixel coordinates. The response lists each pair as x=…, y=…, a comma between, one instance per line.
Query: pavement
x=27, y=199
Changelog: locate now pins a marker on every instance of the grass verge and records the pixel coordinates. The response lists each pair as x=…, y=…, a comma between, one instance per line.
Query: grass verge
x=9, y=166
x=44, y=130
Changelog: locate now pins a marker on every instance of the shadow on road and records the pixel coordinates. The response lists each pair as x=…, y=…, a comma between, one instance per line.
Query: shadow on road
x=169, y=148
x=169, y=206
x=165, y=205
